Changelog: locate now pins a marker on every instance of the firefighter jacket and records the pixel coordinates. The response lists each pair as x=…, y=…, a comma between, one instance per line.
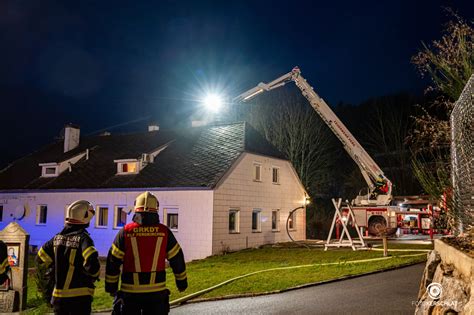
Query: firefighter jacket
x=142, y=247
x=75, y=260
x=4, y=265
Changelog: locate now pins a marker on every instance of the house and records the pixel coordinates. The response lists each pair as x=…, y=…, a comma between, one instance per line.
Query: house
x=221, y=188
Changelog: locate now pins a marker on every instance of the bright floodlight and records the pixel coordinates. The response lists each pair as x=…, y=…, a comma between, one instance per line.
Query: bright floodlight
x=213, y=102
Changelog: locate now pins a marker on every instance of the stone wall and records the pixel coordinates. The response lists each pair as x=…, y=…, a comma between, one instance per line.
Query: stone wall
x=447, y=282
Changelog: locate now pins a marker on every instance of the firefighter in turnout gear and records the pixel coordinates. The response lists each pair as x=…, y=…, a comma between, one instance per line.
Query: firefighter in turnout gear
x=4, y=265
x=142, y=247
x=75, y=261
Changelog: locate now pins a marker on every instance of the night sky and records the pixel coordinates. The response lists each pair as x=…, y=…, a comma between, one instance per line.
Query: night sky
x=102, y=63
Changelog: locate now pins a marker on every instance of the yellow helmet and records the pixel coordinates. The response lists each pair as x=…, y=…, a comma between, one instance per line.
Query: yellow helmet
x=80, y=212
x=146, y=202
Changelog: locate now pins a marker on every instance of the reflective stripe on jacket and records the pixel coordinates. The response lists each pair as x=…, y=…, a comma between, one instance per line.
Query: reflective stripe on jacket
x=143, y=251
x=75, y=260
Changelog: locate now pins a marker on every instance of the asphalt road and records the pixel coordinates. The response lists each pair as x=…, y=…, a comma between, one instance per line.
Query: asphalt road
x=390, y=292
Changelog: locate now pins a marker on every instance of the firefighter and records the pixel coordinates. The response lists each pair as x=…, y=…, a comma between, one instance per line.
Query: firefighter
x=75, y=262
x=381, y=185
x=142, y=246
x=4, y=265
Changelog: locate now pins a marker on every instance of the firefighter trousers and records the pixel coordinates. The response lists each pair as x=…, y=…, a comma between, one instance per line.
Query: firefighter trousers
x=156, y=303
x=73, y=306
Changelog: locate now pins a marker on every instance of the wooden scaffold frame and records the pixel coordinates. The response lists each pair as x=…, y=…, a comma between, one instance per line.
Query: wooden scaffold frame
x=355, y=244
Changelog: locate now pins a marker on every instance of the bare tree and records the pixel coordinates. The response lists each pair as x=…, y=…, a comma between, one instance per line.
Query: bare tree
x=449, y=63
x=287, y=120
x=388, y=124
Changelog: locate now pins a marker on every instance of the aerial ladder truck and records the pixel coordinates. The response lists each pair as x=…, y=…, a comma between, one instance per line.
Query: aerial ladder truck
x=372, y=210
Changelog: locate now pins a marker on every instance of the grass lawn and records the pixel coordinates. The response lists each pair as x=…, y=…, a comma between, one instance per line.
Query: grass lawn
x=214, y=270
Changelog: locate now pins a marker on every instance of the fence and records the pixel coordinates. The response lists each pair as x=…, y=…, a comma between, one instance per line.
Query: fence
x=462, y=156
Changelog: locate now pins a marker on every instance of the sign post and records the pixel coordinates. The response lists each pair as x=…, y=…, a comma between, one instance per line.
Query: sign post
x=17, y=241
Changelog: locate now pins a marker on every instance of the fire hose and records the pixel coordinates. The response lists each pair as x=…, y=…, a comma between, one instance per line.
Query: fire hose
x=201, y=292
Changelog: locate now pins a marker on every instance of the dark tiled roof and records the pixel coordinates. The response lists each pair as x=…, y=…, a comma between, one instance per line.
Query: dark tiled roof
x=195, y=157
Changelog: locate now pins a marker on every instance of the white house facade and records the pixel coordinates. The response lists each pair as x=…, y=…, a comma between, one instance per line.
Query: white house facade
x=220, y=188
x=260, y=206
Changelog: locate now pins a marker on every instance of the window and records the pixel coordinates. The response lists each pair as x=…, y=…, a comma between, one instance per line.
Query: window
x=41, y=214
x=172, y=220
x=102, y=216
x=170, y=217
x=120, y=216
x=234, y=221
x=1, y=213
x=256, y=221
x=257, y=172
x=291, y=222
x=49, y=170
x=127, y=167
x=276, y=220
x=275, y=175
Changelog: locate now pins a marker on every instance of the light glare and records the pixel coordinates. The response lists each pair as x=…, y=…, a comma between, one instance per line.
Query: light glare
x=213, y=102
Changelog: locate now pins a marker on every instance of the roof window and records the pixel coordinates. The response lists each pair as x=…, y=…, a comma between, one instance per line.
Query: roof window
x=127, y=167
x=49, y=169
x=53, y=169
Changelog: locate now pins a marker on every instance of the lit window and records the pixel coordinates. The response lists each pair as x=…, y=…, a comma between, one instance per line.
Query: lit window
x=129, y=167
x=234, y=221
x=120, y=216
x=257, y=172
x=256, y=221
x=275, y=175
x=1, y=213
x=291, y=222
x=41, y=214
x=275, y=220
x=172, y=220
x=102, y=216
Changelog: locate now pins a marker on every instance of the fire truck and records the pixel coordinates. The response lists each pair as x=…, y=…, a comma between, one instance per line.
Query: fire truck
x=372, y=208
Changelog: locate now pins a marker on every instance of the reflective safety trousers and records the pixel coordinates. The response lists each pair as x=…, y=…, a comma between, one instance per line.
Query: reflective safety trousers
x=75, y=260
x=143, y=251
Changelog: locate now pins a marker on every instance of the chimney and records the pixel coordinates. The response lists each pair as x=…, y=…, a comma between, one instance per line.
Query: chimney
x=71, y=137
x=153, y=127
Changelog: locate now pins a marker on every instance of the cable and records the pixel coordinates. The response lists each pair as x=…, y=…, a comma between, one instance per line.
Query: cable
x=118, y=125
x=402, y=250
x=287, y=224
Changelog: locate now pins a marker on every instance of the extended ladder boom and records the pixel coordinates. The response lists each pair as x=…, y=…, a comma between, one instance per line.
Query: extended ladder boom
x=371, y=172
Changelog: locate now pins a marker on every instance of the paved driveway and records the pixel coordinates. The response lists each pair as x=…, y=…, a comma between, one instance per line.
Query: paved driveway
x=391, y=292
